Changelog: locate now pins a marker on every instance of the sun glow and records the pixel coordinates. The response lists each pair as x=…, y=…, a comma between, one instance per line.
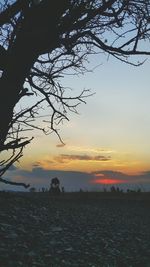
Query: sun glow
x=107, y=181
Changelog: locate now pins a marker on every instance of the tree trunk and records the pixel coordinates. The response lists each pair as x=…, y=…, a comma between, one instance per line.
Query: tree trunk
x=19, y=63
x=34, y=37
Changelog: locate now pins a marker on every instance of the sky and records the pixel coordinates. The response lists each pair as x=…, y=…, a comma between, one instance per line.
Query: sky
x=106, y=143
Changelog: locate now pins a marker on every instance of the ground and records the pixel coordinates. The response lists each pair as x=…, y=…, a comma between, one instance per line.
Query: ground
x=78, y=229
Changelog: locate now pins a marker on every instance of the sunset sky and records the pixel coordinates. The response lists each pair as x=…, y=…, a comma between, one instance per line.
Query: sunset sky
x=108, y=142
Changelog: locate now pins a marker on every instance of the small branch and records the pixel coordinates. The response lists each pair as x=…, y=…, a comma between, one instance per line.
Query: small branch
x=138, y=36
x=14, y=183
x=15, y=144
x=10, y=163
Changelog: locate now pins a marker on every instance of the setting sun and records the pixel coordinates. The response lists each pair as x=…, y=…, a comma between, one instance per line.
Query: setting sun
x=107, y=181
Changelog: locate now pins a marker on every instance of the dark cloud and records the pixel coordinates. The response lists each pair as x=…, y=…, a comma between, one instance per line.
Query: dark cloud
x=36, y=165
x=74, y=180
x=101, y=158
x=66, y=157
x=146, y=173
x=60, y=145
x=141, y=178
x=71, y=180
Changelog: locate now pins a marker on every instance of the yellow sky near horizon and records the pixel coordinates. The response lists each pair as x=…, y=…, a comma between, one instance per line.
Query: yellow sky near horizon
x=82, y=158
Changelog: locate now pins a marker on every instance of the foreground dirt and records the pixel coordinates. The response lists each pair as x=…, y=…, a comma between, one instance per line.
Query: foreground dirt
x=74, y=230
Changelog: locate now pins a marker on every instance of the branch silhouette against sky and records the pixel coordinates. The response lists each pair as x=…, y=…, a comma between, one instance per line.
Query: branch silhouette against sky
x=41, y=43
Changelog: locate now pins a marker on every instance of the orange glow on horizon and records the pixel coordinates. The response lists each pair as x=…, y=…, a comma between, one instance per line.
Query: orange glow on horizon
x=108, y=181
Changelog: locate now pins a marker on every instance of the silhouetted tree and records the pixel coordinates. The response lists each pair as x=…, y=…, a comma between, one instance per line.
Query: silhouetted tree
x=55, y=186
x=40, y=42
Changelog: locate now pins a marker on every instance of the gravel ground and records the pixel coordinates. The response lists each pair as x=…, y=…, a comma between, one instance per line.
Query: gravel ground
x=74, y=230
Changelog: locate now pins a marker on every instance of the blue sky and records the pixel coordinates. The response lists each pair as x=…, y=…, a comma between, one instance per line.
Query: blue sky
x=111, y=132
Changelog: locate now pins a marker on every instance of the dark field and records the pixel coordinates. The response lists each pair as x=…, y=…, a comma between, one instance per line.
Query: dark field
x=78, y=229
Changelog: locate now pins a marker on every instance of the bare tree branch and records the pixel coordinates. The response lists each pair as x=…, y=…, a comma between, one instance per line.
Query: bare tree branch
x=41, y=42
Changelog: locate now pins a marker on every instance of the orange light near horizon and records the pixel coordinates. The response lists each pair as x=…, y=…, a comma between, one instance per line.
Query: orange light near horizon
x=107, y=181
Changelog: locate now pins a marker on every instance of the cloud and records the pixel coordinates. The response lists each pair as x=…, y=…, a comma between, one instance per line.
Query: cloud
x=109, y=177
x=90, y=149
x=146, y=173
x=43, y=163
x=121, y=177
x=36, y=165
x=60, y=145
x=74, y=180
x=66, y=157
x=39, y=177
x=101, y=158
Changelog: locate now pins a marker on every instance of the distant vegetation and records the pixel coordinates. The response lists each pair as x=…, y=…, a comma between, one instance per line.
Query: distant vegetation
x=56, y=190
